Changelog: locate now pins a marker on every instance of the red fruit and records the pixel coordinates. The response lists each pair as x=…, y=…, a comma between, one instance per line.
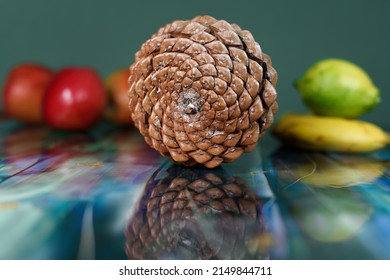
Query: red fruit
x=117, y=88
x=24, y=89
x=75, y=100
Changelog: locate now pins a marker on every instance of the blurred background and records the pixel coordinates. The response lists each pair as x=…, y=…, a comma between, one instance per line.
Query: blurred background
x=296, y=34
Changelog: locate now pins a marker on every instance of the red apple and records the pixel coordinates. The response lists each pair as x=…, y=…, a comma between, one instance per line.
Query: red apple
x=117, y=88
x=24, y=89
x=75, y=100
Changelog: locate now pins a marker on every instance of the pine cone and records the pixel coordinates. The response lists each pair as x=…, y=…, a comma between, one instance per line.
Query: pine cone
x=195, y=214
x=202, y=91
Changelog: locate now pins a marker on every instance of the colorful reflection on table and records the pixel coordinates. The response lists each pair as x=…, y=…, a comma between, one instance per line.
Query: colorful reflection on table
x=336, y=206
x=106, y=195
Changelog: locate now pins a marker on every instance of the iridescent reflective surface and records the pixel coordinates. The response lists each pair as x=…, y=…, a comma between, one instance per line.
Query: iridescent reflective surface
x=105, y=195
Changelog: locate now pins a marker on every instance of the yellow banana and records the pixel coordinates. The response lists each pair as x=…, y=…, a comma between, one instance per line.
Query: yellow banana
x=330, y=133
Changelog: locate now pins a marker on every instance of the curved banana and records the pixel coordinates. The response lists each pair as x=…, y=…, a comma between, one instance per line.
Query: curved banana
x=330, y=133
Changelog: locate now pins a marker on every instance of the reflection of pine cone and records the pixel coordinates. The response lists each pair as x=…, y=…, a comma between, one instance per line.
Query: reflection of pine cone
x=195, y=214
x=202, y=91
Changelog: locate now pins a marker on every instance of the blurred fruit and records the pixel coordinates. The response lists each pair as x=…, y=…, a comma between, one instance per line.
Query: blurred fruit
x=330, y=133
x=321, y=170
x=75, y=100
x=24, y=89
x=334, y=215
x=335, y=87
x=340, y=175
x=117, y=88
x=316, y=197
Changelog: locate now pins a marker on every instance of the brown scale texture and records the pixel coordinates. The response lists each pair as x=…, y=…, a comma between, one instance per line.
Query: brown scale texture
x=197, y=214
x=202, y=91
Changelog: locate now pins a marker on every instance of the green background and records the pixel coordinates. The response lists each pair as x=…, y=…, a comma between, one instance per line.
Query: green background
x=106, y=34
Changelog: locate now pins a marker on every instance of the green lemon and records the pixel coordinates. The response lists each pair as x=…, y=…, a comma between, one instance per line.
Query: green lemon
x=335, y=87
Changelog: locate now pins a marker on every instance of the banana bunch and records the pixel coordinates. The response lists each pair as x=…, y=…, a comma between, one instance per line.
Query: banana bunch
x=330, y=133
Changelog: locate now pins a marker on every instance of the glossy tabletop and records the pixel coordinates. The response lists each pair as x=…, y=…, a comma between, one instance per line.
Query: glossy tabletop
x=105, y=195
